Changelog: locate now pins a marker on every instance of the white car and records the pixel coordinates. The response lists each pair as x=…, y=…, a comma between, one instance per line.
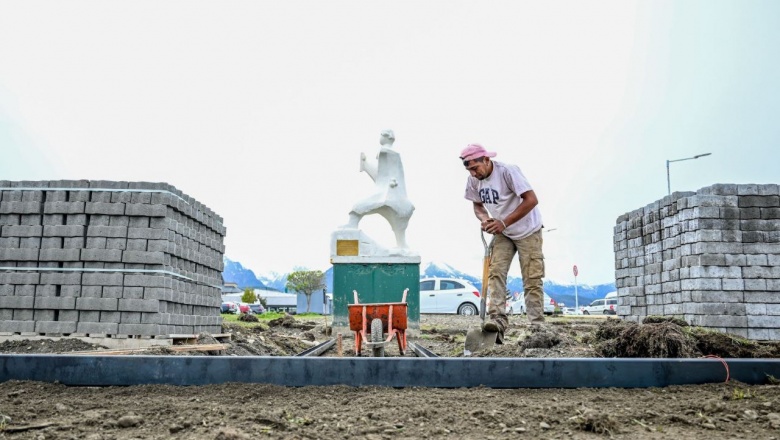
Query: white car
x=518, y=307
x=603, y=306
x=448, y=295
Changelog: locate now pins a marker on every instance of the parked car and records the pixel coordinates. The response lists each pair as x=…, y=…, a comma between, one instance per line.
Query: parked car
x=244, y=308
x=569, y=311
x=229, y=307
x=518, y=307
x=448, y=295
x=604, y=306
x=257, y=308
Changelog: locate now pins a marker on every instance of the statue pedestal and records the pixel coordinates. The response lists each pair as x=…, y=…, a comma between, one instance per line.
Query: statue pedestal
x=378, y=274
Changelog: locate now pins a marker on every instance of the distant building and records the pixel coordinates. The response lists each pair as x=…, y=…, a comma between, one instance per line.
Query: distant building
x=321, y=303
x=228, y=288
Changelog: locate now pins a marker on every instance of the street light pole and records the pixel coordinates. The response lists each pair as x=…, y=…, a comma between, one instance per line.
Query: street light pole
x=668, y=181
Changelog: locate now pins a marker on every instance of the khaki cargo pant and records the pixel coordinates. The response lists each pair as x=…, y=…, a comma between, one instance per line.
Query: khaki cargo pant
x=531, y=267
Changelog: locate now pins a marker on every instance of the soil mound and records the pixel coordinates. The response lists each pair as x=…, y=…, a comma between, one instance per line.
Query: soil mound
x=728, y=346
x=285, y=321
x=541, y=337
x=64, y=345
x=248, y=318
x=629, y=339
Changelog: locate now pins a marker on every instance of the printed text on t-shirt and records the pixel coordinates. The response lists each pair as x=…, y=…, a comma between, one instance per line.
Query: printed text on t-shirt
x=488, y=195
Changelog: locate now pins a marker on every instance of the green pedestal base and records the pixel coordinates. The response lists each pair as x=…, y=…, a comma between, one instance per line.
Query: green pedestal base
x=376, y=283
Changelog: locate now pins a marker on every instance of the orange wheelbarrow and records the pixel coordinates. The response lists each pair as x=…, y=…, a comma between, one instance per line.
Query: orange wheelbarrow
x=371, y=322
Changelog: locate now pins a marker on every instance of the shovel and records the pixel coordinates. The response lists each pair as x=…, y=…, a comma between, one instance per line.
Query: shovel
x=478, y=339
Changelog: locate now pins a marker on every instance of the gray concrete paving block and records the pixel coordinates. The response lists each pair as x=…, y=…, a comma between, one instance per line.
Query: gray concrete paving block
x=121, y=197
x=19, y=278
x=104, y=255
x=143, y=257
x=133, y=292
x=102, y=279
x=23, y=315
x=139, y=305
x=100, y=196
x=759, y=201
x=105, y=208
x=147, y=233
x=71, y=290
x=136, y=244
x=129, y=317
x=20, y=207
x=56, y=327
x=6, y=290
x=51, y=242
x=112, y=291
x=53, y=219
x=73, y=242
x=96, y=242
x=737, y=296
x=89, y=315
x=139, y=329
x=63, y=231
x=78, y=196
x=150, y=318
x=146, y=210
x=120, y=220
x=17, y=302
x=17, y=326
x=56, y=303
x=762, y=321
x=160, y=223
x=138, y=222
x=108, y=328
x=110, y=316
x=62, y=207
x=116, y=243
x=107, y=231
x=59, y=255
x=10, y=254
x=141, y=197
x=769, y=213
x=719, y=321
x=22, y=231
x=107, y=304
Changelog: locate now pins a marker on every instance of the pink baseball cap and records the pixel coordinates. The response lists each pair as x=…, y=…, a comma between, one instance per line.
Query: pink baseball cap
x=475, y=151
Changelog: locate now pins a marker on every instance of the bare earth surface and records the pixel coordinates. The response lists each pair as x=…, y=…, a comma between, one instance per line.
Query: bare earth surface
x=236, y=411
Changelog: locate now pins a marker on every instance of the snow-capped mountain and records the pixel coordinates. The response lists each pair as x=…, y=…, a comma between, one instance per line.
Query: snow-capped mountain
x=274, y=280
x=235, y=272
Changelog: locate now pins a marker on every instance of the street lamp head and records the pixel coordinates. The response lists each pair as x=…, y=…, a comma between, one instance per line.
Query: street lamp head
x=701, y=155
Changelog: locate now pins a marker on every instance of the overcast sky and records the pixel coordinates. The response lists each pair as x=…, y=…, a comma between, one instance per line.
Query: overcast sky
x=260, y=110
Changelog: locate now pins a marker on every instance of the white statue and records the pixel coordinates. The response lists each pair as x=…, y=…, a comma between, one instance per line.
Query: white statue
x=389, y=197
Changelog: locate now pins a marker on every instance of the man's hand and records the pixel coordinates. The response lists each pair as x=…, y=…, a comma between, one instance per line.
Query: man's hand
x=493, y=226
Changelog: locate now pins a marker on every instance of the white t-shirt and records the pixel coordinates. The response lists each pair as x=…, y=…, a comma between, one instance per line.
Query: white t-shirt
x=500, y=194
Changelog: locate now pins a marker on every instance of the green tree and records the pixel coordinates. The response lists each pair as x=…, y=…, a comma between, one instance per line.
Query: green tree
x=306, y=282
x=249, y=296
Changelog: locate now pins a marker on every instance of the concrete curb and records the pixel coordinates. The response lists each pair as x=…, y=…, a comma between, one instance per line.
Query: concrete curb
x=392, y=372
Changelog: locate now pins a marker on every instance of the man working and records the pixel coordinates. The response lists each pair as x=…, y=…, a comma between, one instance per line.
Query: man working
x=505, y=205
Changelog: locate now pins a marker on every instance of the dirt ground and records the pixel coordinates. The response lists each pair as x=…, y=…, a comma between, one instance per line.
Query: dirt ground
x=33, y=410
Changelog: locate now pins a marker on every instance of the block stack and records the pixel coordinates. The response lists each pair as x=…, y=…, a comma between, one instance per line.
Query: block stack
x=108, y=258
x=711, y=257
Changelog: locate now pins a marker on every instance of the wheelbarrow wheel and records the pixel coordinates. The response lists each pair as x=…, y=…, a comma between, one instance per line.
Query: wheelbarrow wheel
x=376, y=336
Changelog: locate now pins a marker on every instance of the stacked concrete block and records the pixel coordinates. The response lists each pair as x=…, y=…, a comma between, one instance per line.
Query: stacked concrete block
x=109, y=258
x=711, y=257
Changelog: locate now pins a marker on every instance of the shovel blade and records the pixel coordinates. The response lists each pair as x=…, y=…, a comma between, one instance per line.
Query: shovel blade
x=478, y=340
